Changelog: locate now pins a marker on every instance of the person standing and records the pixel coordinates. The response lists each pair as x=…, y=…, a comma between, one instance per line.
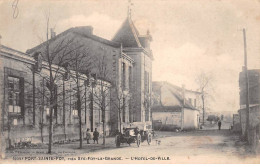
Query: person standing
x=219, y=125
x=88, y=136
x=95, y=135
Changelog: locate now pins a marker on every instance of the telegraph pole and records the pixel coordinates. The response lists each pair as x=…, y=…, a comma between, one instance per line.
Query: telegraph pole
x=247, y=86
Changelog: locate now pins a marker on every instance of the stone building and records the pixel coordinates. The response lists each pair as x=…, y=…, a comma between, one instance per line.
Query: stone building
x=24, y=96
x=175, y=107
x=127, y=60
x=254, y=102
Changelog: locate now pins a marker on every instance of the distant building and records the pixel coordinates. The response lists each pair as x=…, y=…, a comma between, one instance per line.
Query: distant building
x=167, y=107
x=254, y=101
x=254, y=87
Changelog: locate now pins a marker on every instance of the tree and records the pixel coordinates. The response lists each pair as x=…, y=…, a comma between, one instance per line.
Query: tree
x=80, y=62
x=55, y=56
x=119, y=102
x=62, y=55
x=102, y=92
x=206, y=88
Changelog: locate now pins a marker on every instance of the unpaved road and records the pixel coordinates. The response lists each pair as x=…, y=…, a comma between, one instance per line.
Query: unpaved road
x=207, y=146
x=203, y=146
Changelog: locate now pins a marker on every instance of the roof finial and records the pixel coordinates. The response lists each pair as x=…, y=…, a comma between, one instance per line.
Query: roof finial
x=129, y=8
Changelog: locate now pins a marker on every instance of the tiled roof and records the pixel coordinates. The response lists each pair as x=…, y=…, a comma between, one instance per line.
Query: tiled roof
x=127, y=35
x=174, y=91
x=82, y=31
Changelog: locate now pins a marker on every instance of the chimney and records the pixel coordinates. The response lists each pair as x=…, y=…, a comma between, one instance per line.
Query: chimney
x=53, y=34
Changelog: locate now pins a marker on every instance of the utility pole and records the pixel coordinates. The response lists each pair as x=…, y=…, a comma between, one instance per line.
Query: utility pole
x=247, y=86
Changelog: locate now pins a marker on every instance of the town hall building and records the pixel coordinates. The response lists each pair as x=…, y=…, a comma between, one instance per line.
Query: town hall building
x=123, y=64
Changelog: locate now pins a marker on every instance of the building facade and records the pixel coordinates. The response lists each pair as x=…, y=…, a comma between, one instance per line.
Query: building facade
x=25, y=101
x=175, y=107
x=253, y=130
x=127, y=60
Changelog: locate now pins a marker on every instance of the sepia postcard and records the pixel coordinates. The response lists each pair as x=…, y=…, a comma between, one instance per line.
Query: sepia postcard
x=129, y=81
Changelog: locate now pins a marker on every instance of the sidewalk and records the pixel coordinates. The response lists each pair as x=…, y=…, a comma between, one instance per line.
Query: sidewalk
x=63, y=149
x=70, y=149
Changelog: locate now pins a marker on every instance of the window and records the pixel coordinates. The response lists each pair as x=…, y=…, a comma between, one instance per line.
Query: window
x=74, y=103
x=124, y=115
x=74, y=108
x=123, y=76
x=130, y=118
x=55, y=107
x=146, y=105
x=75, y=112
x=146, y=82
x=15, y=122
x=130, y=77
x=47, y=111
x=14, y=93
x=190, y=101
x=195, y=103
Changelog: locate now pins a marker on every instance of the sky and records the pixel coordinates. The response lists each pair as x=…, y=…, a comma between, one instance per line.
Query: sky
x=189, y=36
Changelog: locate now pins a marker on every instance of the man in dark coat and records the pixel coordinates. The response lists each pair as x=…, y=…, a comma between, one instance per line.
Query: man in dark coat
x=219, y=125
x=95, y=135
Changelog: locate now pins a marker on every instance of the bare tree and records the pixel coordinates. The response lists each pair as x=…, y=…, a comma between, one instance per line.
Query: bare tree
x=80, y=62
x=55, y=56
x=102, y=91
x=206, y=88
x=119, y=102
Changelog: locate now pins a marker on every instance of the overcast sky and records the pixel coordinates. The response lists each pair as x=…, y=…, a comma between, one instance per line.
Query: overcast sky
x=189, y=36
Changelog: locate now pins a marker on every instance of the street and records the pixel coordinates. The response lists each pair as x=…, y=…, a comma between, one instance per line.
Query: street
x=206, y=146
x=201, y=146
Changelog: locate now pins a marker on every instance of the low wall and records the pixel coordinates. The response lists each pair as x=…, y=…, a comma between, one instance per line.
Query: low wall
x=41, y=135
x=254, y=123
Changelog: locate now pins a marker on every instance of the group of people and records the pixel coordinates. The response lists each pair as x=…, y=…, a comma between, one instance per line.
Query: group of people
x=95, y=136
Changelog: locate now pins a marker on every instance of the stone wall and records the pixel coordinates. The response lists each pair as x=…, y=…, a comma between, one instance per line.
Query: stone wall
x=254, y=122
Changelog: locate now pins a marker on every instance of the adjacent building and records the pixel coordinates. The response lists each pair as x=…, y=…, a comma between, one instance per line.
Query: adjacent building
x=254, y=101
x=25, y=101
x=175, y=107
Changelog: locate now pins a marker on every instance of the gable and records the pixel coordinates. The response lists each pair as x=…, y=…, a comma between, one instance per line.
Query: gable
x=167, y=95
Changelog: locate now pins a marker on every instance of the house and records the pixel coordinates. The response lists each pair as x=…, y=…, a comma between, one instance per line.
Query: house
x=25, y=99
x=127, y=60
x=170, y=110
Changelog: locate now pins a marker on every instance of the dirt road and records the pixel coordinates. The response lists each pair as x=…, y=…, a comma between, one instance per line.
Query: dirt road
x=202, y=146
x=207, y=146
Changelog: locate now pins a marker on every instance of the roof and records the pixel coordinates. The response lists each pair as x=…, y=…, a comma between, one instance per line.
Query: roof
x=81, y=31
x=172, y=91
x=15, y=54
x=127, y=35
x=159, y=83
